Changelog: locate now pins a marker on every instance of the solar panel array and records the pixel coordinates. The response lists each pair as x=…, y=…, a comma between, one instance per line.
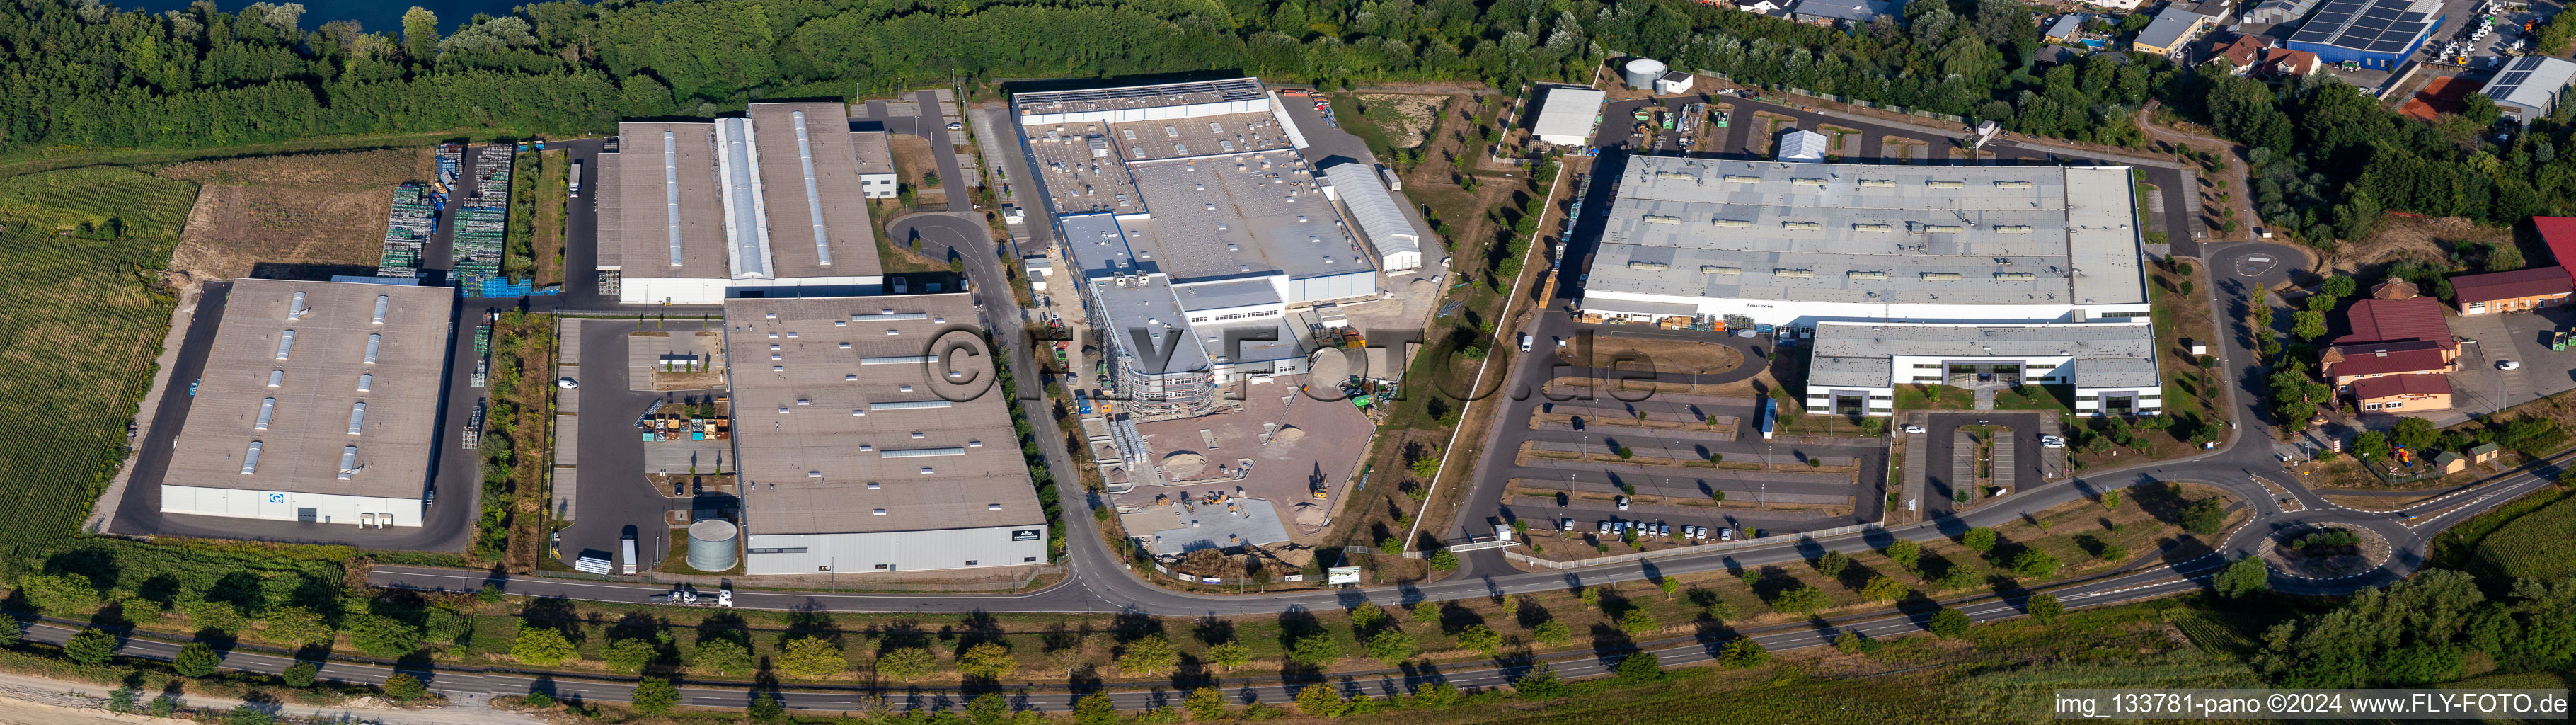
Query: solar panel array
x=2370, y=26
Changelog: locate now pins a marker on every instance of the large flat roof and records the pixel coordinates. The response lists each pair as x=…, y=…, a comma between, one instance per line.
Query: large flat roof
x=665, y=185
x=1136, y=97
x=2108, y=354
x=817, y=423
x=319, y=363
x=875, y=153
x=820, y=199
x=667, y=179
x=1228, y=216
x=2531, y=81
x=2037, y=235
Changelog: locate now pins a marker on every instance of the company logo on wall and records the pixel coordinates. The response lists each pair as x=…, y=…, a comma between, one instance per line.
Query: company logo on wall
x=1027, y=534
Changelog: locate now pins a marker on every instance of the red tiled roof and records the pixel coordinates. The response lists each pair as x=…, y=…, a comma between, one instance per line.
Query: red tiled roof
x=2290, y=62
x=2392, y=385
x=2381, y=360
x=2559, y=232
x=2378, y=320
x=2519, y=283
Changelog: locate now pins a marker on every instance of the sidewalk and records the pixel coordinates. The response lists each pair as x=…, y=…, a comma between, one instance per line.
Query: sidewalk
x=26, y=700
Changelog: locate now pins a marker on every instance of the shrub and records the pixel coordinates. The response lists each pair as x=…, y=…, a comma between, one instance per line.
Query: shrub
x=815, y=657
x=1551, y=633
x=905, y=663
x=249, y=715
x=1230, y=655
x=1639, y=668
x=1094, y=709
x=1906, y=553
x=92, y=646
x=1480, y=638
x=1444, y=561
x=1949, y=622
x=1367, y=616
x=541, y=647
x=1743, y=652
x=405, y=687
x=1391, y=647
x=197, y=659
x=628, y=656
x=2044, y=607
x=1637, y=622
x=1980, y=539
x=1152, y=654
x=2204, y=516
x=1832, y=564
x=2034, y=563
x=721, y=656
x=538, y=699
x=1539, y=683
x=1800, y=600
x=2243, y=578
x=1205, y=704
x=59, y=594
x=295, y=626
x=1319, y=700
x=988, y=661
x=654, y=696
x=389, y=638
x=1882, y=588
x=301, y=675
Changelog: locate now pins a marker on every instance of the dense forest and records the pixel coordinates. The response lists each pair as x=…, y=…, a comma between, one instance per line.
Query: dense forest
x=83, y=75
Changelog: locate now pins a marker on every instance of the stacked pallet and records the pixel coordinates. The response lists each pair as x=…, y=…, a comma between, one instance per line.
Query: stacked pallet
x=407, y=228
x=483, y=219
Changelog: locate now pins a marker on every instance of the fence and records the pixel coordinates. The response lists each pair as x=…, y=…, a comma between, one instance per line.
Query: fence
x=1689, y=550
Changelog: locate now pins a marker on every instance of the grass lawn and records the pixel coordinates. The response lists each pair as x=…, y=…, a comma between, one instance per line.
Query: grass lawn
x=81, y=319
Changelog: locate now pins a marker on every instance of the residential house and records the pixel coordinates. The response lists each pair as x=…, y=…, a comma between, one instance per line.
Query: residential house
x=2484, y=452
x=2241, y=53
x=2287, y=63
x=2172, y=32
x=2066, y=28
x=2343, y=365
x=1856, y=12
x=2520, y=290
x=2403, y=393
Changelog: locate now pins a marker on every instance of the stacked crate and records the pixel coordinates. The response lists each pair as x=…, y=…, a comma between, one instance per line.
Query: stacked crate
x=482, y=219
x=407, y=228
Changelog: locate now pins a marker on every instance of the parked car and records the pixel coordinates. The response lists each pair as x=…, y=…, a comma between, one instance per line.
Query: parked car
x=1623, y=503
x=952, y=126
x=2508, y=365
x=1725, y=534
x=1914, y=429
x=679, y=487
x=2052, y=442
x=1568, y=525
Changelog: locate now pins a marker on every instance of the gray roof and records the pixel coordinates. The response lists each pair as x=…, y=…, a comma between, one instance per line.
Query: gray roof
x=1230, y=293
x=956, y=424
x=2040, y=235
x=1853, y=10
x=1127, y=97
x=2066, y=26
x=1568, y=111
x=318, y=389
x=777, y=214
x=1146, y=322
x=2169, y=28
x=876, y=156
x=2106, y=354
x=1798, y=144
x=1375, y=210
x=2279, y=11
x=1228, y=216
x=2531, y=81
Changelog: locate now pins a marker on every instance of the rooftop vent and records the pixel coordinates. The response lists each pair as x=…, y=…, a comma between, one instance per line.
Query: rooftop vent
x=1873, y=227
x=1739, y=179
x=1648, y=265
x=1861, y=275
x=1878, y=183
x=1735, y=223
x=250, y=460
x=1798, y=273
x=1661, y=219
x=1946, y=184
x=1940, y=276
x=1802, y=226
x=2012, y=185
x=2015, y=276
x=1714, y=269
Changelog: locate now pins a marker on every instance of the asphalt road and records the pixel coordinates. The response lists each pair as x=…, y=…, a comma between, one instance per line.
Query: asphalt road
x=614, y=498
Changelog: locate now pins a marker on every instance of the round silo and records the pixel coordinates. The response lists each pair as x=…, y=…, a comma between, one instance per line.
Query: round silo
x=711, y=545
x=1642, y=72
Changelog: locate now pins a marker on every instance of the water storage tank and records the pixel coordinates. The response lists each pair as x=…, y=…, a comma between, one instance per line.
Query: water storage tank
x=1642, y=72
x=711, y=545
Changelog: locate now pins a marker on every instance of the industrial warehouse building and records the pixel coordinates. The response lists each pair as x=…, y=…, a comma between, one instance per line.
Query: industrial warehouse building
x=1969, y=276
x=693, y=212
x=1793, y=244
x=1856, y=366
x=871, y=438
x=1193, y=226
x=2377, y=34
x=1568, y=115
x=281, y=426
x=2528, y=87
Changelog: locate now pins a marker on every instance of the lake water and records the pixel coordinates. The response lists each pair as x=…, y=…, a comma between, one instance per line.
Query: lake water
x=376, y=16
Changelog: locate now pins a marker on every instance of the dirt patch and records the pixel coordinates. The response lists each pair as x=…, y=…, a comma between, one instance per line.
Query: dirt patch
x=305, y=209
x=1901, y=149
x=1673, y=356
x=1407, y=119
x=912, y=161
x=233, y=228
x=2405, y=236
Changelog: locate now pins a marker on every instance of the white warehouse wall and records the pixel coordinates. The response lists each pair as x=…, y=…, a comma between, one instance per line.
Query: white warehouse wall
x=284, y=505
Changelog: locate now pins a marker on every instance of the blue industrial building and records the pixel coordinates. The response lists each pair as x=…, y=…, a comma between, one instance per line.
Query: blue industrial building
x=2378, y=34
